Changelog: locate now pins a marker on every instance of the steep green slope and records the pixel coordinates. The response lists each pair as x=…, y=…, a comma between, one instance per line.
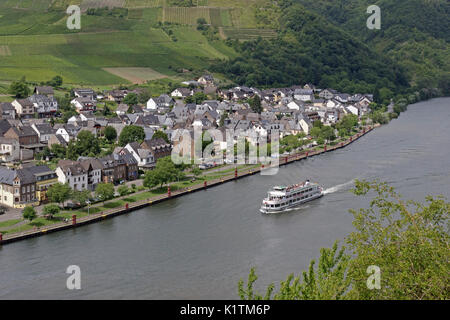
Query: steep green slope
x=414, y=33
x=309, y=49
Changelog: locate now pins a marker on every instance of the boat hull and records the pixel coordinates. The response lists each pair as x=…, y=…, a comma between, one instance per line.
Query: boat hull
x=291, y=206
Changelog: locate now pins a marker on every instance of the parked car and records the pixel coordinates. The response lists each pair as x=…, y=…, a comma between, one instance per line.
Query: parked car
x=72, y=205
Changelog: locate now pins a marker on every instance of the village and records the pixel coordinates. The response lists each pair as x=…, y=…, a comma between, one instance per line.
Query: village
x=33, y=146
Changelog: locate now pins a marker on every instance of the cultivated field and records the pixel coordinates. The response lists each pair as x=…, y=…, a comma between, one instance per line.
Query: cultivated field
x=35, y=42
x=85, y=4
x=144, y=3
x=4, y=51
x=185, y=15
x=249, y=34
x=81, y=57
x=136, y=75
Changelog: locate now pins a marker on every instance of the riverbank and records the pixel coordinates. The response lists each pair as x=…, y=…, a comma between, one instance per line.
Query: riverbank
x=128, y=207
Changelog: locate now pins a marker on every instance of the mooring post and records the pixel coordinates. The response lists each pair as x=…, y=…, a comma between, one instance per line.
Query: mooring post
x=235, y=172
x=205, y=184
x=74, y=219
x=168, y=192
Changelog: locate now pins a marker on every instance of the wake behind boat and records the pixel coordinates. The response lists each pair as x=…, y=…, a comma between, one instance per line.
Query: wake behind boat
x=282, y=198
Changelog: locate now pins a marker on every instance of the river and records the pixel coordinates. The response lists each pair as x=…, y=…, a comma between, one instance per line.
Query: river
x=199, y=246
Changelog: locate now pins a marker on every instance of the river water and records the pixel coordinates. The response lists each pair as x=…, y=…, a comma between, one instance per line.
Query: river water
x=199, y=246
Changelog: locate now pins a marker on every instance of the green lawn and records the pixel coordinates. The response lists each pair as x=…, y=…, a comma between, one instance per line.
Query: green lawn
x=9, y=223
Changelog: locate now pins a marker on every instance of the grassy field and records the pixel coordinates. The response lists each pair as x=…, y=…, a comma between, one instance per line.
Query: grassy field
x=81, y=57
x=136, y=75
x=35, y=42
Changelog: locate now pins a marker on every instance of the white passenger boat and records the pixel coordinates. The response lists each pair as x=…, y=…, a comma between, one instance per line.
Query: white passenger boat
x=281, y=198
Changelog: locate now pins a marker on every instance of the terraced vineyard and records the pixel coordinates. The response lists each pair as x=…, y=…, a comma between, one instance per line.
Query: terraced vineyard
x=85, y=4
x=144, y=3
x=249, y=34
x=35, y=42
x=185, y=15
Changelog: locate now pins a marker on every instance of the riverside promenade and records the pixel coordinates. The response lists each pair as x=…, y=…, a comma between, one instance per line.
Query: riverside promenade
x=128, y=207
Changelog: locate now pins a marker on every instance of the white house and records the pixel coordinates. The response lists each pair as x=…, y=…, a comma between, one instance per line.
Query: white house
x=144, y=157
x=181, y=93
x=295, y=105
x=306, y=124
x=44, y=131
x=9, y=149
x=63, y=132
x=303, y=94
x=72, y=173
x=353, y=110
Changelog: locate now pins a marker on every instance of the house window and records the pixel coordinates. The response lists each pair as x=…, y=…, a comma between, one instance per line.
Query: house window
x=23, y=189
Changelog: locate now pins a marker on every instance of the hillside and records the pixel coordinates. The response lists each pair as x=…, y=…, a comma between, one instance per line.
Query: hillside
x=149, y=34
x=311, y=50
x=281, y=42
x=414, y=34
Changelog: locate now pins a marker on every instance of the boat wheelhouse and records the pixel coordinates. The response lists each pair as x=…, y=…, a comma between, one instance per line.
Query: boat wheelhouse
x=281, y=198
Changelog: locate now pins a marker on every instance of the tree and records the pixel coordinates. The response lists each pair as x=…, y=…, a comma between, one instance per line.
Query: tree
x=59, y=193
x=385, y=95
x=196, y=172
x=56, y=81
x=131, y=99
x=19, y=88
x=347, y=123
x=81, y=196
x=197, y=98
x=85, y=145
x=58, y=150
x=144, y=96
x=106, y=111
x=202, y=24
x=160, y=134
x=255, y=104
x=317, y=123
x=151, y=178
x=315, y=132
x=408, y=241
x=50, y=210
x=327, y=133
x=164, y=172
x=29, y=213
x=110, y=133
x=104, y=191
x=379, y=117
x=123, y=190
x=131, y=134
